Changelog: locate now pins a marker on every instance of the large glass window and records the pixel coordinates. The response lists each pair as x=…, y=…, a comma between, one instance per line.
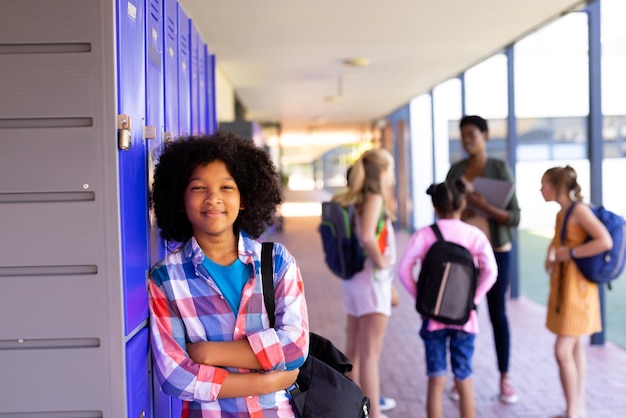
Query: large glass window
x=614, y=134
x=486, y=88
x=486, y=95
x=421, y=162
x=447, y=107
x=551, y=104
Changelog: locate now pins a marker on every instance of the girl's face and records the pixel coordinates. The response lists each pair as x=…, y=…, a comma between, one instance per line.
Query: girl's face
x=548, y=191
x=212, y=200
x=473, y=140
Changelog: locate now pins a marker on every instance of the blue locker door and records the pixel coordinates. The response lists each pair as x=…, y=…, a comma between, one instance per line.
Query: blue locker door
x=155, y=84
x=211, y=98
x=184, y=72
x=132, y=162
x=154, y=107
x=137, y=379
x=133, y=198
x=202, y=88
x=170, y=21
x=194, y=36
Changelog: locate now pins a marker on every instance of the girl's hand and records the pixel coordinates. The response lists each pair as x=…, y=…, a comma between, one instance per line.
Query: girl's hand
x=476, y=199
x=561, y=254
x=282, y=379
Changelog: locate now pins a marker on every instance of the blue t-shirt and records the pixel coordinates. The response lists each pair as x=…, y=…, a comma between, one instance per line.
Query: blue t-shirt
x=230, y=279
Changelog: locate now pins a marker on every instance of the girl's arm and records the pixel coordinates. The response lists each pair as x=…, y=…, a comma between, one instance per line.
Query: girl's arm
x=370, y=214
x=224, y=354
x=600, y=239
x=487, y=267
x=237, y=385
x=180, y=376
x=408, y=261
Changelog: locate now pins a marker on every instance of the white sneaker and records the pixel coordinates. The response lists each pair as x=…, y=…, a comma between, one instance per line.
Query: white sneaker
x=454, y=394
x=387, y=404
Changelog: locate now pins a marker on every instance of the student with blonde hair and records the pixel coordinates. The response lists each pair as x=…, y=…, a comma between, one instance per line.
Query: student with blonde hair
x=574, y=304
x=367, y=295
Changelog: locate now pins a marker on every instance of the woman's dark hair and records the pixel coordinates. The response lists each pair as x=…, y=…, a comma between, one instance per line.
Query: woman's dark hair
x=251, y=167
x=477, y=121
x=447, y=197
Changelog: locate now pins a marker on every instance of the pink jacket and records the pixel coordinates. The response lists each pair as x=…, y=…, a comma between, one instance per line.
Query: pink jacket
x=457, y=231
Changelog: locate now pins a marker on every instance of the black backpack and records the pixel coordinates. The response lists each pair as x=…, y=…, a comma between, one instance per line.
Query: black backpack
x=322, y=389
x=446, y=285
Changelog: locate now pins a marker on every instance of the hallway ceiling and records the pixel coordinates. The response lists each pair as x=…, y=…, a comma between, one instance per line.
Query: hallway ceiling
x=285, y=57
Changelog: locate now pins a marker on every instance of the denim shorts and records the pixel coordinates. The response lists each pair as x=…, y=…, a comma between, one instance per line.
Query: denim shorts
x=461, y=352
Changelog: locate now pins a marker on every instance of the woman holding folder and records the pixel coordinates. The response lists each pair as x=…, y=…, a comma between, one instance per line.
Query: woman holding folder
x=496, y=216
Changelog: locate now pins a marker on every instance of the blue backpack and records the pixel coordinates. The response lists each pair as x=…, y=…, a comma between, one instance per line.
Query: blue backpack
x=607, y=266
x=343, y=252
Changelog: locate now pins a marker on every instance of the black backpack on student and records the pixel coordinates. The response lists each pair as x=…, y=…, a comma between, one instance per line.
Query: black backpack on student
x=322, y=389
x=446, y=284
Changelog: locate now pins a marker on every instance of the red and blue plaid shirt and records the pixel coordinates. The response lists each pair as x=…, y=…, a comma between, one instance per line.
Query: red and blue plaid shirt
x=187, y=306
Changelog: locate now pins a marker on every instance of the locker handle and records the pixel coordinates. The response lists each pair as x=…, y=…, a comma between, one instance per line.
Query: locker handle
x=124, y=137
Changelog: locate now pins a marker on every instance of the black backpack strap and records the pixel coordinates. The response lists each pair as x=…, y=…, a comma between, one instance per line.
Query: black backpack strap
x=267, y=277
x=437, y=232
x=565, y=219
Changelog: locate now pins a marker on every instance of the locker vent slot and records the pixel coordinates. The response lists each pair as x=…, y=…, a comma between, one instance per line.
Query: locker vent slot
x=57, y=48
x=36, y=271
x=49, y=343
x=44, y=197
x=58, y=414
x=31, y=123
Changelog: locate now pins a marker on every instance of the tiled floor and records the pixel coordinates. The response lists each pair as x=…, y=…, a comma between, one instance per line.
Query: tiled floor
x=533, y=368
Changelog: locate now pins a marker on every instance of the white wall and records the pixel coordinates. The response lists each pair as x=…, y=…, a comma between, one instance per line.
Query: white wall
x=225, y=96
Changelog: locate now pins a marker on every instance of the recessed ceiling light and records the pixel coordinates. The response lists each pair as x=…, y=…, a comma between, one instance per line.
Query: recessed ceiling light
x=333, y=99
x=357, y=62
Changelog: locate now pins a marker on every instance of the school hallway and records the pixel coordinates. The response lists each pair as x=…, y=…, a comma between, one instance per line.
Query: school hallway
x=533, y=367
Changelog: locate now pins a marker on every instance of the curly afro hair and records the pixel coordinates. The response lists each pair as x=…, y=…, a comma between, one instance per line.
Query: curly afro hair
x=251, y=167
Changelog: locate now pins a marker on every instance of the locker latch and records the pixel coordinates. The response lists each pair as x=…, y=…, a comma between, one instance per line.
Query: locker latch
x=124, y=136
x=149, y=132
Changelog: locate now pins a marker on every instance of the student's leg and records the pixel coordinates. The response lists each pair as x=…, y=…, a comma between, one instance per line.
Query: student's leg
x=581, y=365
x=461, y=355
x=352, y=346
x=372, y=332
x=435, y=356
x=434, y=399
x=564, y=351
x=467, y=405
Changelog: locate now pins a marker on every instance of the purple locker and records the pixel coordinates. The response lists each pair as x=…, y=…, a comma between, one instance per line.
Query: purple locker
x=132, y=162
x=202, y=87
x=211, y=106
x=170, y=22
x=154, y=107
x=137, y=385
x=194, y=36
x=184, y=72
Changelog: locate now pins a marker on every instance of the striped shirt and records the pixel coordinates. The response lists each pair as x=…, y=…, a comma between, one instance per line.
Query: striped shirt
x=187, y=306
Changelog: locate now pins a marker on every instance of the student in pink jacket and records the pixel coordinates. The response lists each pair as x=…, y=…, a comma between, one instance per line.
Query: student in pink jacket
x=449, y=201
